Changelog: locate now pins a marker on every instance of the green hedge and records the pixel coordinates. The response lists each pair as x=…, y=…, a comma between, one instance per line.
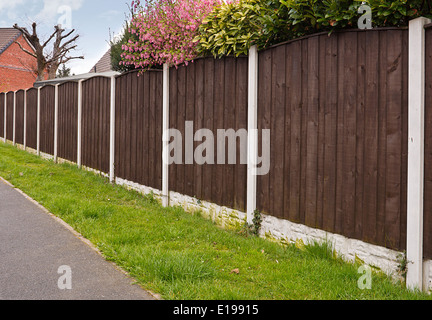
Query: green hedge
x=233, y=28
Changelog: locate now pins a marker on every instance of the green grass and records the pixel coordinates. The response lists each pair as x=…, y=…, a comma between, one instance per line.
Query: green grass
x=181, y=255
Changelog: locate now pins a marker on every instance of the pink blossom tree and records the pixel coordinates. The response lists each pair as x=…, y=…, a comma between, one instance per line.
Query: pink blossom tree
x=165, y=30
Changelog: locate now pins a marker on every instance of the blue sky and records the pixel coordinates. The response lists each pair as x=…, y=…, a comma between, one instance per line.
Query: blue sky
x=92, y=19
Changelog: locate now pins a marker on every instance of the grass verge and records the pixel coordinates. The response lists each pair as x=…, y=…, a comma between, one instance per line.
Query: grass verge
x=184, y=256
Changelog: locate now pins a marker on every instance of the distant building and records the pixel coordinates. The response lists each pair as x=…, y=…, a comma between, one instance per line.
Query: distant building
x=104, y=64
x=17, y=68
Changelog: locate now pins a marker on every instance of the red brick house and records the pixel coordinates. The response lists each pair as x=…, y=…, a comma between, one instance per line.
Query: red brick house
x=17, y=68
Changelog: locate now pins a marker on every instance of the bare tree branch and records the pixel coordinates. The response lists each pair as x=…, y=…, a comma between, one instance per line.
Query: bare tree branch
x=25, y=50
x=64, y=60
x=60, y=50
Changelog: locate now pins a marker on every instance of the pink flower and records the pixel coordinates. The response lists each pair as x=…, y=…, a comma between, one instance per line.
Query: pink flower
x=166, y=30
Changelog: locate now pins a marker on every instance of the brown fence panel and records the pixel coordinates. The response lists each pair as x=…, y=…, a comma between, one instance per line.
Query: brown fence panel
x=67, y=121
x=19, y=117
x=31, y=118
x=138, y=151
x=213, y=94
x=427, y=223
x=9, y=115
x=337, y=110
x=47, y=109
x=96, y=123
x=2, y=95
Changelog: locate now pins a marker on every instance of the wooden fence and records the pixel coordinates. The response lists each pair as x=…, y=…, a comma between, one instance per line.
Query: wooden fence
x=337, y=110
x=336, y=107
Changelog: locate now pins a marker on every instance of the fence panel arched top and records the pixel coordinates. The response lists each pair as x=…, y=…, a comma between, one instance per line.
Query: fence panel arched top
x=68, y=120
x=96, y=93
x=337, y=110
x=9, y=115
x=47, y=111
x=210, y=94
x=138, y=136
x=19, y=116
x=31, y=118
x=2, y=115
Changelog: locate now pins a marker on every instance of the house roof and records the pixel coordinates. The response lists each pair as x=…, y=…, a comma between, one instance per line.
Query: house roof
x=104, y=64
x=7, y=37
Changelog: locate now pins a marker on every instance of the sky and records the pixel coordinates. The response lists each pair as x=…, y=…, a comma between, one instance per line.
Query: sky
x=93, y=20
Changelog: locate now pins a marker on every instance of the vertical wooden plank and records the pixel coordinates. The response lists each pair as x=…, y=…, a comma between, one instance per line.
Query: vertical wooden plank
x=404, y=143
x=288, y=129
x=84, y=120
x=173, y=123
x=152, y=130
x=371, y=139
x=304, y=130
x=312, y=132
x=9, y=116
x=31, y=132
x=229, y=111
x=208, y=109
x=189, y=181
x=340, y=147
x=295, y=73
x=124, y=127
x=241, y=123
x=330, y=132
x=19, y=118
x=138, y=79
x=382, y=143
x=393, y=138
x=219, y=94
x=321, y=129
x=118, y=158
x=106, y=127
x=360, y=119
x=199, y=118
x=2, y=109
x=349, y=167
x=134, y=125
x=128, y=111
x=159, y=106
x=264, y=122
x=277, y=131
x=181, y=117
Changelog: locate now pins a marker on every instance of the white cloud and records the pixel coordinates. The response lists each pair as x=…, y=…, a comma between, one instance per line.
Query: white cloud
x=8, y=5
x=9, y=11
x=110, y=14
x=50, y=11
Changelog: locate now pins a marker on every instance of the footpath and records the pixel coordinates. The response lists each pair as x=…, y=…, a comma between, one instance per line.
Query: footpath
x=42, y=258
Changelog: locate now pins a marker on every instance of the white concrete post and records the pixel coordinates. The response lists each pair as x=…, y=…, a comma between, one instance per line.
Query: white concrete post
x=165, y=137
x=416, y=100
x=14, y=119
x=5, y=115
x=252, y=133
x=56, y=123
x=38, y=122
x=25, y=119
x=79, y=124
x=112, y=130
